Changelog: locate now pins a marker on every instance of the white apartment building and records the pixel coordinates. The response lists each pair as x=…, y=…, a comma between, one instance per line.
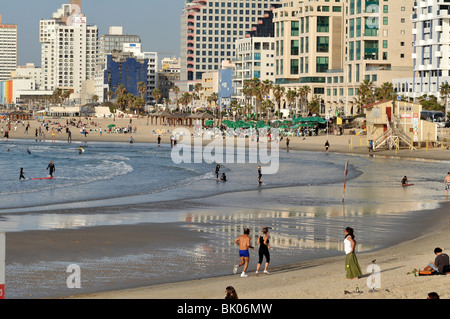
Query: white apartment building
x=8, y=49
x=29, y=71
x=254, y=58
x=431, y=57
x=69, y=50
x=332, y=46
x=209, y=30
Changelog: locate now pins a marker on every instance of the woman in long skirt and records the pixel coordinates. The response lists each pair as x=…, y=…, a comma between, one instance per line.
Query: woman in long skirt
x=351, y=262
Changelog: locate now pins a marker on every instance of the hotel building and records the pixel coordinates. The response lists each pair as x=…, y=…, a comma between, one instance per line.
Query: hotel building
x=431, y=57
x=8, y=50
x=69, y=50
x=209, y=30
x=333, y=46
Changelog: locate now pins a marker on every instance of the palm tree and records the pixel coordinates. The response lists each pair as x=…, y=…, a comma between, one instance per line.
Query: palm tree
x=365, y=94
x=110, y=95
x=130, y=98
x=444, y=91
x=57, y=94
x=142, y=88
x=166, y=103
x=303, y=95
x=258, y=93
x=278, y=93
x=291, y=96
x=139, y=103
x=156, y=93
x=66, y=95
x=314, y=105
x=120, y=91
x=185, y=99
x=176, y=90
x=385, y=92
x=197, y=88
x=95, y=98
x=247, y=90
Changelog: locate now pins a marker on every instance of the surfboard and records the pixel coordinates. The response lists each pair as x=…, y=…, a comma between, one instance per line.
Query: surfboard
x=35, y=179
x=406, y=185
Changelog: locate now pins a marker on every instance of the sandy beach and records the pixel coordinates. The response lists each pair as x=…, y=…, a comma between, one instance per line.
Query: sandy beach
x=316, y=279
x=319, y=279
x=147, y=133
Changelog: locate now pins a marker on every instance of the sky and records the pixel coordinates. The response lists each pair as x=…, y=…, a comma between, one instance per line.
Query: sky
x=157, y=22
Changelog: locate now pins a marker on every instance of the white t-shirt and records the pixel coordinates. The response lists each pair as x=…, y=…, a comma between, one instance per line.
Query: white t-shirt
x=347, y=246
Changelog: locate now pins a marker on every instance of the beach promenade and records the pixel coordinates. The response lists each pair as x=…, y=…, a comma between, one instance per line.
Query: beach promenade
x=316, y=279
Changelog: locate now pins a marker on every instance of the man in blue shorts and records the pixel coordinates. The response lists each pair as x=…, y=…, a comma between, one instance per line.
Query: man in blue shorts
x=243, y=242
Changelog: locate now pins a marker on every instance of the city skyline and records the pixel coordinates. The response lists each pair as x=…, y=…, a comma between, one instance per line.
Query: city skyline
x=135, y=19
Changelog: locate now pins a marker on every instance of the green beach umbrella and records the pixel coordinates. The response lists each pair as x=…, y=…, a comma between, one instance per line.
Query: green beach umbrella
x=209, y=122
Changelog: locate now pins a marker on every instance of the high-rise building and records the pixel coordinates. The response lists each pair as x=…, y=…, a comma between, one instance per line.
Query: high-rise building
x=378, y=48
x=209, y=30
x=69, y=49
x=113, y=43
x=168, y=74
x=431, y=50
x=8, y=50
x=254, y=59
x=308, y=42
x=333, y=46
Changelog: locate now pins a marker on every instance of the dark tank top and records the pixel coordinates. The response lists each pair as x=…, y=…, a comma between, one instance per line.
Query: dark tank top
x=263, y=246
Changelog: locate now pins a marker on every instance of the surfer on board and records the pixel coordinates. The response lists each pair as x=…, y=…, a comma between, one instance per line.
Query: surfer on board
x=405, y=181
x=51, y=168
x=22, y=176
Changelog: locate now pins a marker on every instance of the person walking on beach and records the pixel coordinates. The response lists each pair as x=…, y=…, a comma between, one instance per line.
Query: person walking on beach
x=287, y=142
x=22, y=176
x=217, y=171
x=51, y=168
x=263, y=242
x=159, y=140
x=259, y=175
x=447, y=184
x=327, y=146
x=351, y=262
x=243, y=242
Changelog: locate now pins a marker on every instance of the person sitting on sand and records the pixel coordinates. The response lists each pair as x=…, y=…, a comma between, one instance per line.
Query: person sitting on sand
x=441, y=264
x=223, y=178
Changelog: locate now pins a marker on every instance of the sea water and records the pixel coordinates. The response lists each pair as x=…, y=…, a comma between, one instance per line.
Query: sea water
x=123, y=184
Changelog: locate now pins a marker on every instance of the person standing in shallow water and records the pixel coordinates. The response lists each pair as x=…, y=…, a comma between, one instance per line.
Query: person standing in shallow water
x=351, y=262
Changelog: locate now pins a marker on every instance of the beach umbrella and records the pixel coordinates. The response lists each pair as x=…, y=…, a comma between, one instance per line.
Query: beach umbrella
x=111, y=125
x=209, y=122
x=284, y=126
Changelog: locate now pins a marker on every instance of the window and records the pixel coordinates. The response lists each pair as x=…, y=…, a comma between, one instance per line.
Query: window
x=294, y=28
x=294, y=47
x=294, y=66
x=323, y=44
x=321, y=64
x=323, y=24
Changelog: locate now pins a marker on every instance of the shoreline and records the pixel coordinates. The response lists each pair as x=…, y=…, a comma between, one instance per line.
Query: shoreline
x=322, y=278
x=344, y=144
x=319, y=276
